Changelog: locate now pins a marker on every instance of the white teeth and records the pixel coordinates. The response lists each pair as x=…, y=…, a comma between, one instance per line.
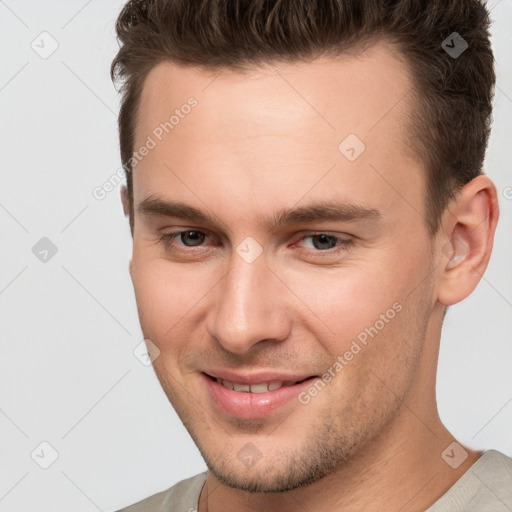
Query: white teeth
x=259, y=388
x=242, y=387
x=226, y=383
x=254, y=388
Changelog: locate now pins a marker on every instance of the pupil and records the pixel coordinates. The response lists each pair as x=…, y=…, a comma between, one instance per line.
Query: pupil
x=326, y=242
x=194, y=237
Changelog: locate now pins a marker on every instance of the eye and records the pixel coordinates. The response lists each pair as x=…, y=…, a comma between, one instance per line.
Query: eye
x=188, y=238
x=191, y=238
x=314, y=244
x=325, y=243
x=322, y=241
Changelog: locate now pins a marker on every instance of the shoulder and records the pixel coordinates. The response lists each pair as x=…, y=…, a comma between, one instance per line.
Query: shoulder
x=496, y=472
x=184, y=494
x=485, y=487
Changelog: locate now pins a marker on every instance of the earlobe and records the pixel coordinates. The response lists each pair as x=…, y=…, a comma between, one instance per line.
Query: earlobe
x=468, y=229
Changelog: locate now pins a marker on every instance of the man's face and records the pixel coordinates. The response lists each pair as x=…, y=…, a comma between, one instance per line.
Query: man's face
x=260, y=295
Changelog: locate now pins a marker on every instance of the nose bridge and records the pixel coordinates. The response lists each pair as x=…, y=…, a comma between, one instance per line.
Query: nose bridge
x=247, y=306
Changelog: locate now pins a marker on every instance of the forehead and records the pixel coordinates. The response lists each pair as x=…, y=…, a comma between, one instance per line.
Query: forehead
x=363, y=86
x=278, y=127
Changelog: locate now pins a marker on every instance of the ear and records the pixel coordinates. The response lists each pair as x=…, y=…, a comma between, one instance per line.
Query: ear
x=126, y=210
x=124, y=201
x=466, y=237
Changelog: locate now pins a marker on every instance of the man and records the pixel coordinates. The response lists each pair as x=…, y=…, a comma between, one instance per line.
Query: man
x=306, y=198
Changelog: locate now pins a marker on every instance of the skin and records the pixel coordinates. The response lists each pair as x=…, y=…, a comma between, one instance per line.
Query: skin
x=259, y=142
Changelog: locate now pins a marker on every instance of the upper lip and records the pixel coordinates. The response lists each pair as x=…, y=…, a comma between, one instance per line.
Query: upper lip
x=256, y=377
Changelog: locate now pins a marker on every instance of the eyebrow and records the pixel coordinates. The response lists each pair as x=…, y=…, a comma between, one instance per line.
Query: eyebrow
x=323, y=211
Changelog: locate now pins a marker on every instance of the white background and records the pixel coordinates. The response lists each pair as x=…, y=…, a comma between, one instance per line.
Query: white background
x=68, y=327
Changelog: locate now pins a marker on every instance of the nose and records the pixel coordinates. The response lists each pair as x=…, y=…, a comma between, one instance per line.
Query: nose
x=249, y=307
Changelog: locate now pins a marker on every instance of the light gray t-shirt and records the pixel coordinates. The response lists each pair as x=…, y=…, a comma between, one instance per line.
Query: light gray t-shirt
x=485, y=487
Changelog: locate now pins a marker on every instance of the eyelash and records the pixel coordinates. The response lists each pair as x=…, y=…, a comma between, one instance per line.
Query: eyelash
x=343, y=243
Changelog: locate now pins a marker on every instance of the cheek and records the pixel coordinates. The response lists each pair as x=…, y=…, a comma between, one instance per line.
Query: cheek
x=342, y=303
x=365, y=310
x=161, y=297
x=374, y=366
x=167, y=295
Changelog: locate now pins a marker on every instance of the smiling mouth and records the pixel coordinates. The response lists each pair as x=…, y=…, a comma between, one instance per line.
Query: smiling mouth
x=261, y=387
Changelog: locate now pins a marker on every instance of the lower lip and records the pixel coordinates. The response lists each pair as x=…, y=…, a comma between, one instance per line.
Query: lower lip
x=246, y=405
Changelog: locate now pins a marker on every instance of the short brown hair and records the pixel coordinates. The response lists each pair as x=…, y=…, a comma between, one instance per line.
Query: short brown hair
x=453, y=96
